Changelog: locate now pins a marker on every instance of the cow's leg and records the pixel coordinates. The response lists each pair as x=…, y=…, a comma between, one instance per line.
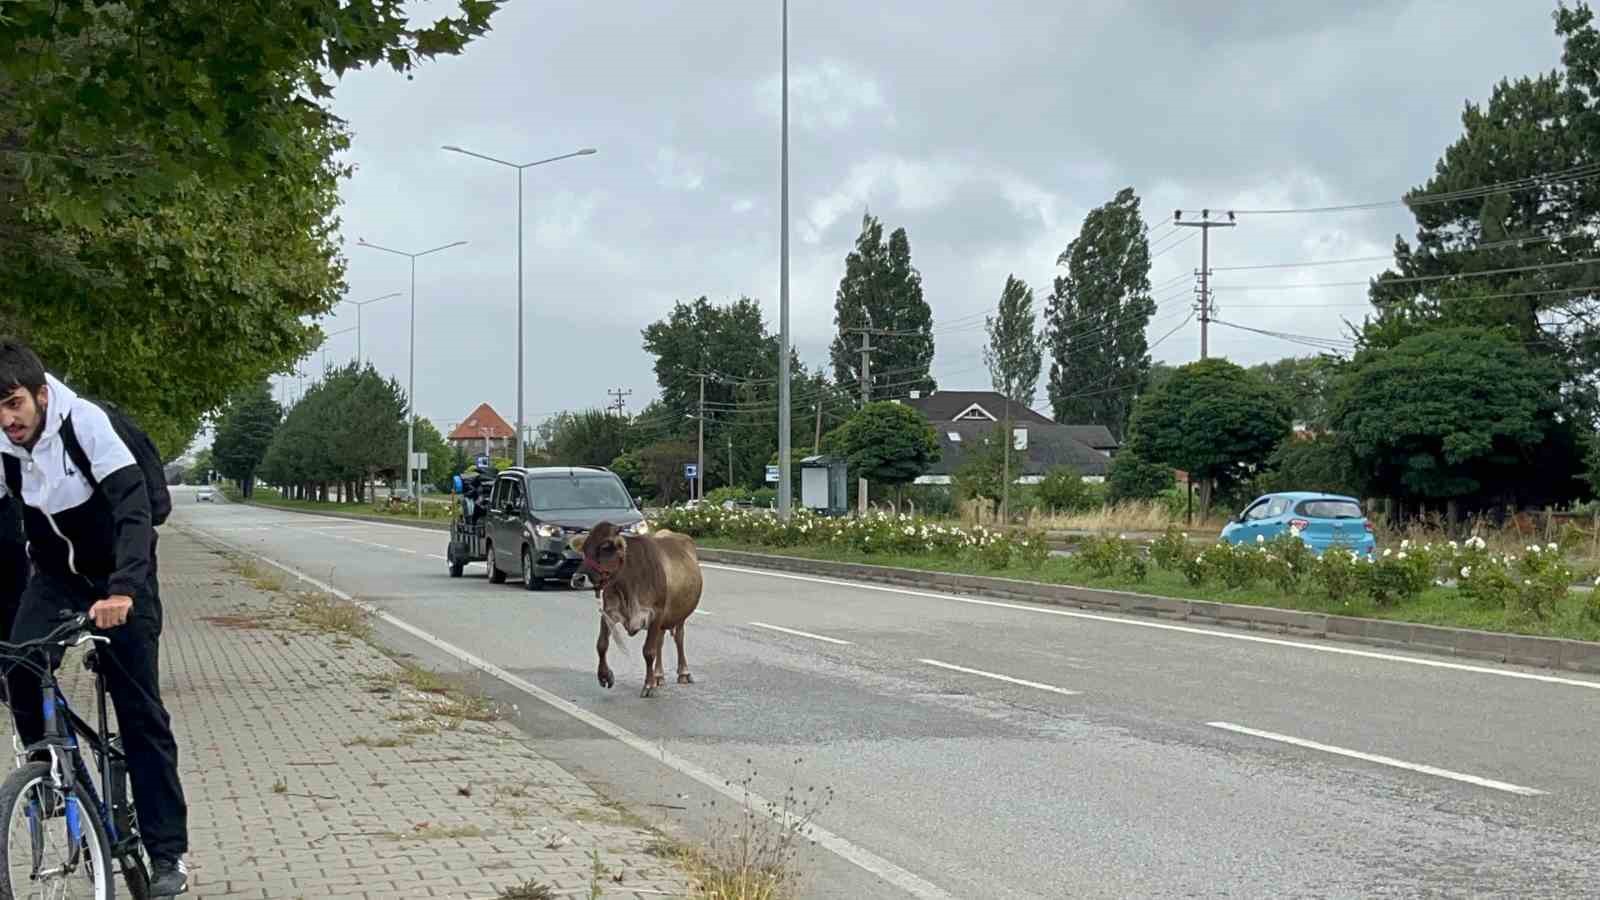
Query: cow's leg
x=683, y=664
x=652, y=657
x=606, y=679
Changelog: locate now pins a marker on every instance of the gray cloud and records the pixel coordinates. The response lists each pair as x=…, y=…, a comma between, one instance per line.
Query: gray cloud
x=986, y=130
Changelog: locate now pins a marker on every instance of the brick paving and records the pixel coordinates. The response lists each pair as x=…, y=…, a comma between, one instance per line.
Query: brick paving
x=312, y=773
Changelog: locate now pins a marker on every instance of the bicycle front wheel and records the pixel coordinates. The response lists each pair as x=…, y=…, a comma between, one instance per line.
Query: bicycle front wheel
x=54, y=847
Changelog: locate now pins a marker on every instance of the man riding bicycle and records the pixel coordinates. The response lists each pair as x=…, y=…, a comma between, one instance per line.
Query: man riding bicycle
x=92, y=546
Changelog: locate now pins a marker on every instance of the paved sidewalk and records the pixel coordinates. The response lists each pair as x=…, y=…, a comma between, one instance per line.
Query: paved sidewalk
x=313, y=770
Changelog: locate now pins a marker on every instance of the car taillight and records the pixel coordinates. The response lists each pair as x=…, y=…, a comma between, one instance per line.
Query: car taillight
x=1299, y=524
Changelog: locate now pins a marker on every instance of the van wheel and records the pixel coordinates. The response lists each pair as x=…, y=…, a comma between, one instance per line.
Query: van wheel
x=530, y=578
x=495, y=575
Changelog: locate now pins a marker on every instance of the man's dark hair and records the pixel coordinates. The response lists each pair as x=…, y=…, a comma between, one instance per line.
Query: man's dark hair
x=19, y=367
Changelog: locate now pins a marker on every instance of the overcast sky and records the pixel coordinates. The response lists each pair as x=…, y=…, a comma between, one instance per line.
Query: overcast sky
x=987, y=130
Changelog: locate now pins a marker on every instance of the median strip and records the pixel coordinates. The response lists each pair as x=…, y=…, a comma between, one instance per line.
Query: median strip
x=1380, y=760
x=998, y=677
x=798, y=633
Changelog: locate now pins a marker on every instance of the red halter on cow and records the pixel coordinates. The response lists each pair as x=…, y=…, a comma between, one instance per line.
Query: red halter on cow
x=644, y=582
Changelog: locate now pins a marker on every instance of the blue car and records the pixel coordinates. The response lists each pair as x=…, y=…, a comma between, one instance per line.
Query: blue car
x=1322, y=521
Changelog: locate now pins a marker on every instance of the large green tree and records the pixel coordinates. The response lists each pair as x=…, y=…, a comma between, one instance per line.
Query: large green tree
x=1096, y=317
x=1457, y=414
x=886, y=443
x=1212, y=419
x=170, y=177
x=1014, y=355
x=1305, y=381
x=244, y=433
x=882, y=291
x=592, y=437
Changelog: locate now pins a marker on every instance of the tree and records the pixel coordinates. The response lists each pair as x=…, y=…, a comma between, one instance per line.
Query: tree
x=1064, y=490
x=1212, y=419
x=661, y=466
x=426, y=438
x=981, y=475
x=729, y=342
x=1305, y=382
x=882, y=291
x=1132, y=477
x=1315, y=464
x=1457, y=414
x=346, y=430
x=592, y=437
x=886, y=442
x=1014, y=354
x=244, y=434
x=1096, y=317
x=200, y=471
x=170, y=172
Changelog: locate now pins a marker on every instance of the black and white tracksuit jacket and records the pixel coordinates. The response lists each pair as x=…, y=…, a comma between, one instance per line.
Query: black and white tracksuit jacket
x=73, y=530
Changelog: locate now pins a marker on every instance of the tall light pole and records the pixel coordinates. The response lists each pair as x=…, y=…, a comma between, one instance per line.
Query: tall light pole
x=783, y=291
x=587, y=151
x=358, y=304
x=326, y=337
x=411, y=377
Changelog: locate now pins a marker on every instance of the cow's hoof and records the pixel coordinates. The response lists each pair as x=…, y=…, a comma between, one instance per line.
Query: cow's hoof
x=606, y=681
x=647, y=692
x=685, y=678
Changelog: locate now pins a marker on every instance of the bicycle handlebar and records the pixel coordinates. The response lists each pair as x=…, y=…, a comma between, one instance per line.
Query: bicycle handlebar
x=75, y=625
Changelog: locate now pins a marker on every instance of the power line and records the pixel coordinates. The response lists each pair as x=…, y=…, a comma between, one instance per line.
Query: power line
x=1543, y=179
x=1389, y=257
x=1412, y=278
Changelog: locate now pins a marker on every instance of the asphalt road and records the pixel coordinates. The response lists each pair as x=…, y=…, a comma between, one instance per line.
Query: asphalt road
x=1002, y=750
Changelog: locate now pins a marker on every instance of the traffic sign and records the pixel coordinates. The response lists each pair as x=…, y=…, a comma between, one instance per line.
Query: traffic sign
x=690, y=470
x=772, y=474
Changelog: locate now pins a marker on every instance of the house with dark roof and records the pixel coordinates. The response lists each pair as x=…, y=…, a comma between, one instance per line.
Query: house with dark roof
x=962, y=419
x=484, y=432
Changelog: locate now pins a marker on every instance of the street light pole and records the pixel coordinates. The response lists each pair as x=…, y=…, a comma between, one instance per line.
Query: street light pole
x=783, y=291
x=358, y=304
x=587, y=151
x=411, y=377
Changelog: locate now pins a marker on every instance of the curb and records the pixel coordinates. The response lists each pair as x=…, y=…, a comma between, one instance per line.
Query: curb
x=430, y=524
x=1524, y=650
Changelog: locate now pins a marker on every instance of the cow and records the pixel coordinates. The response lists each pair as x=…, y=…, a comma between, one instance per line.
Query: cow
x=643, y=582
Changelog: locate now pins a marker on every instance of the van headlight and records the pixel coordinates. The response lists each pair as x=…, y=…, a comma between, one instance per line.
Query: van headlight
x=547, y=531
x=637, y=528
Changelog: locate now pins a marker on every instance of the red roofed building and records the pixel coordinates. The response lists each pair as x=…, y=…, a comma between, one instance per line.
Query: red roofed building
x=484, y=432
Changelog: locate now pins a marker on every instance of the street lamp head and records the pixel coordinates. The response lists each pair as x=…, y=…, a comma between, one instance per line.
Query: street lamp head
x=587, y=151
x=452, y=148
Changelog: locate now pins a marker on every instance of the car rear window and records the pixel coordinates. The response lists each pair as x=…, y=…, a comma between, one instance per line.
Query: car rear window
x=1330, y=509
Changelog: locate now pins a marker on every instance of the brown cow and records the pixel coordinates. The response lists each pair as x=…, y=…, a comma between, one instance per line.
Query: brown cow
x=649, y=582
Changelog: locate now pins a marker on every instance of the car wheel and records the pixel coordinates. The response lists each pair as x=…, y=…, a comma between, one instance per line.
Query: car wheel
x=530, y=578
x=457, y=566
x=495, y=575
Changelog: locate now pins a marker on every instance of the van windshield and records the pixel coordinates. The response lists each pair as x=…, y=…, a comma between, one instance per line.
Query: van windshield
x=578, y=492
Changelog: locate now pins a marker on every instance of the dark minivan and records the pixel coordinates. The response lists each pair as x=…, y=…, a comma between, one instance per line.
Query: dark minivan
x=535, y=512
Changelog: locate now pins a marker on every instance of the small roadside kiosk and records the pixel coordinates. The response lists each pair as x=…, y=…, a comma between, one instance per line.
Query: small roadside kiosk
x=823, y=487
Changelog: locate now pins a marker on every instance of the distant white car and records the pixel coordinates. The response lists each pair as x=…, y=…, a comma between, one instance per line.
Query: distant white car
x=205, y=495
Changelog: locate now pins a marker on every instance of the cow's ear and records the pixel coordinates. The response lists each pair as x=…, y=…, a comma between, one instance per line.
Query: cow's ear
x=622, y=543
x=577, y=542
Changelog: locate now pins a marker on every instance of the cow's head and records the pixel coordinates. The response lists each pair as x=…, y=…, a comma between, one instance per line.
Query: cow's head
x=605, y=551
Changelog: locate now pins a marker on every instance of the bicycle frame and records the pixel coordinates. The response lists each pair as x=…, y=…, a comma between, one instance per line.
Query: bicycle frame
x=63, y=730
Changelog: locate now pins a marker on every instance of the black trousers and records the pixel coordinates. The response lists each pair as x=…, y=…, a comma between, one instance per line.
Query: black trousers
x=131, y=668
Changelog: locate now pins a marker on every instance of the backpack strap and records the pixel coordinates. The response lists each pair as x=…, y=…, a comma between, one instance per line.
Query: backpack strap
x=69, y=440
x=13, y=467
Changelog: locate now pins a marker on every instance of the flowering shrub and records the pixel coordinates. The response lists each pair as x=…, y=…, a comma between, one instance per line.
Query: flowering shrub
x=1109, y=556
x=1169, y=550
x=1234, y=564
x=1394, y=577
x=993, y=549
x=1033, y=549
x=1487, y=584
x=1546, y=579
x=1338, y=573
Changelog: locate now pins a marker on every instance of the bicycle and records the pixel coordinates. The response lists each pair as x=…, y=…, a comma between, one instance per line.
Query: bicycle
x=100, y=835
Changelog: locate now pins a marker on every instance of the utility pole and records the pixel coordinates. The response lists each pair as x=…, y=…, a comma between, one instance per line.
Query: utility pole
x=1005, y=470
x=866, y=398
x=730, y=459
x=816, y=446
x=619, y=393
x=700, y=455
x=784, y=397
x=1205, y=225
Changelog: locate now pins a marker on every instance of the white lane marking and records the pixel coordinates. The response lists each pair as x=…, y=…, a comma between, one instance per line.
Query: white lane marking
x=998, y=677
x=1381, y=760
x=1185, y=629
x=798, y=633
x=865, y=859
